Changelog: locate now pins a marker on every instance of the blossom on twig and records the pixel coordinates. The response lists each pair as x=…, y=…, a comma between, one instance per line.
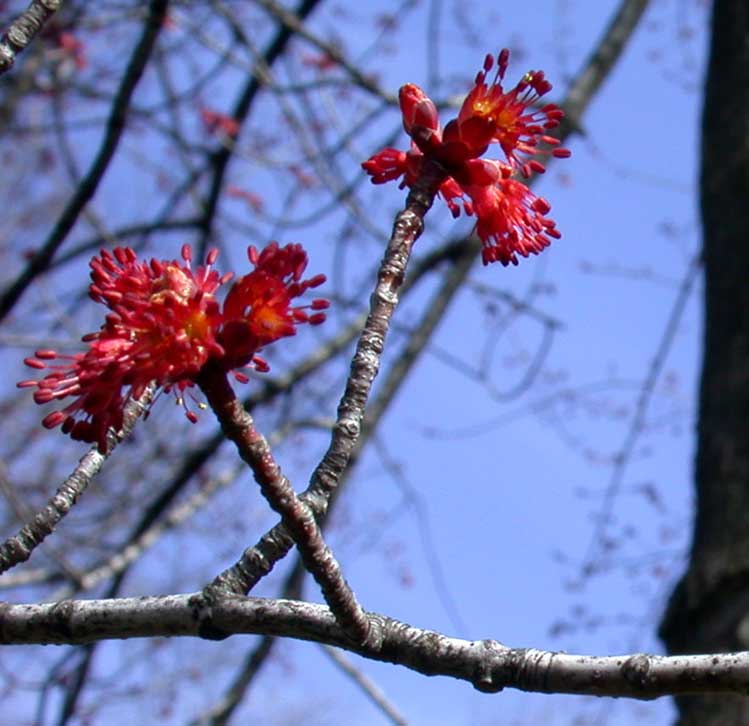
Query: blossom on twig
x=511, y=220
x=165, y=323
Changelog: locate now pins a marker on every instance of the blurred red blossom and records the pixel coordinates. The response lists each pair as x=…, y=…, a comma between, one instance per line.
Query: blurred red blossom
x=253, y=200
x=216, y=122
x=165, y=323
x=320, y=61
x=74, y=48
x=511, y=220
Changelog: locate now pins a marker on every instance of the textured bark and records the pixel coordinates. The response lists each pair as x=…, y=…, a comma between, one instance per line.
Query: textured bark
x=297, y=517
x=488, y=665
x=24, y=28
x=709, y=608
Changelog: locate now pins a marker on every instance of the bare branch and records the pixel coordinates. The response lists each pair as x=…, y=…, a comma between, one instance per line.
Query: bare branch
x=221, y=712
x=298, y=519
x=89, y=184
x=18, y=548
x=487, y=664
x=367, y=685
x=23, y=29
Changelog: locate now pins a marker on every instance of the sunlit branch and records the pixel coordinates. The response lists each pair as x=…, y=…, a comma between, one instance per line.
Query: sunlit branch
x=488, y=665
x=23, y=29
x=239, y=427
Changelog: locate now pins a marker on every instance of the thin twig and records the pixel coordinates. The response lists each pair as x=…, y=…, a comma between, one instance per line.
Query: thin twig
x=90, y=182
x=18, y=548
x=367, y=685
x=221, y=712
x=637, y=424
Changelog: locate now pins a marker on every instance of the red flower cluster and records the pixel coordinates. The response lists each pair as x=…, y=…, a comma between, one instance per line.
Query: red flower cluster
x=164, y=325
x=511, y=220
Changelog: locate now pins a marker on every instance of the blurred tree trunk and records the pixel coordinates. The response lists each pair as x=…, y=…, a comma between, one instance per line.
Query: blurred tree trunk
x=709, y=608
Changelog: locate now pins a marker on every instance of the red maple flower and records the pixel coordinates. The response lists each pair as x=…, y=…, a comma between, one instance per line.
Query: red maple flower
x=217, y=122
x=74, y=48
x=258, y=310
x=512, y=119
x=254, y=201
x=320, y=61
x=389, y=164
x=165, y=323
x=511, y=220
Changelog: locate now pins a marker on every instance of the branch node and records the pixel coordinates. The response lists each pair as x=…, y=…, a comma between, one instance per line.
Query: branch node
x=636, y=671
x=60, y=616
x=201, y=605
x=492, y=670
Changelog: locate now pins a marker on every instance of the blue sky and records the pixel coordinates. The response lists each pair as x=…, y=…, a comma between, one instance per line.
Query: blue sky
x=509, y=489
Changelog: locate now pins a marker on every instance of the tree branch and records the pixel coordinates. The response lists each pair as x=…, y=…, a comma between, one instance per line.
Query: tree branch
x=408, y=226
x=298, y=519
x=90, y=182
x=18, y=548
x=23, y=29
x=220, y=713
x=259, y=560
x=371, y=690
x=487, y=664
